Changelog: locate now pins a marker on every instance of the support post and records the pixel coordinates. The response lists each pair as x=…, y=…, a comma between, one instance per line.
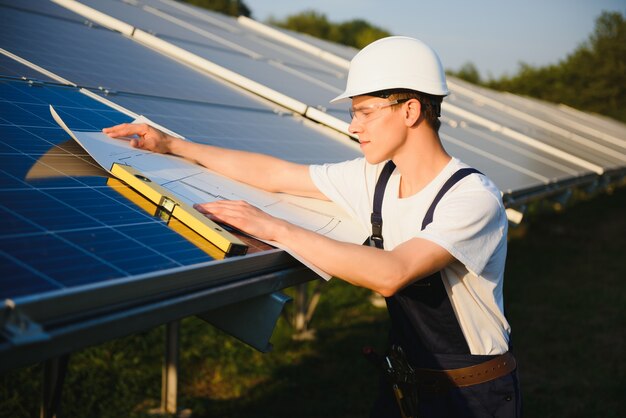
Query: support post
x=169, y=387
x=305, y=303
x=54, y=372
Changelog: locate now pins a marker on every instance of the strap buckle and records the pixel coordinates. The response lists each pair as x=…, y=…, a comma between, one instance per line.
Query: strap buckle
x=377, y=230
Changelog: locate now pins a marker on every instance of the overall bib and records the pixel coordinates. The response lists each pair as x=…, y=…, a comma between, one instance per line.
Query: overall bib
x=424, y=324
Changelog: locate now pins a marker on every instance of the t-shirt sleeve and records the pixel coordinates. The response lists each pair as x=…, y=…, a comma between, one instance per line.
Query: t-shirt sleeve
x=343, y=183
x=470, y=225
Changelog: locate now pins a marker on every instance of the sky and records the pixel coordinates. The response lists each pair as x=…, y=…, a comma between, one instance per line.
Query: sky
x=495, y=35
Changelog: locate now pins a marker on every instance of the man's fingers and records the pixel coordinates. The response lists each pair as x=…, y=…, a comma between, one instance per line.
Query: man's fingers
x=240, y=215
x=126, y=129
x=215, y=208
x=226, y=210
x=136, y=143
x=200, y=207
x=207, y=206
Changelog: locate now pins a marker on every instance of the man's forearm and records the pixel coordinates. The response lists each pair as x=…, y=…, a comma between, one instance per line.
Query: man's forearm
x=259, y=170
x=255, y=169
x=359, y=265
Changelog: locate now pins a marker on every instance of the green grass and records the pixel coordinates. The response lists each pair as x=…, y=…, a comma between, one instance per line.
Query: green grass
x=564, y=295
x=566, y=299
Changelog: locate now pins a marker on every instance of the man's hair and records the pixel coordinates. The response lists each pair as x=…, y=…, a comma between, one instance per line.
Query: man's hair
x=431, y=105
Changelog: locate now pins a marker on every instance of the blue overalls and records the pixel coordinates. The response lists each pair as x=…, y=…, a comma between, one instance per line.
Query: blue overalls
x=424, y=324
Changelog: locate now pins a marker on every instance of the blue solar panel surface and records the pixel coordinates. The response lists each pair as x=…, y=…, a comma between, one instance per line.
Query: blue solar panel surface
x=287, y=71
x=171, y=94
x=11, y=68
x=97, y=57
x=68, y=231
x=65, y=230
x=280, y=135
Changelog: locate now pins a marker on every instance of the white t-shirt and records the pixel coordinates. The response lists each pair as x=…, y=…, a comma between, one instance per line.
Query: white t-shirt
x=469, y=222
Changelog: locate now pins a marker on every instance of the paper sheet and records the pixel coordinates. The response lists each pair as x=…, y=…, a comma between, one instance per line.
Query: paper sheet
x=195, y=184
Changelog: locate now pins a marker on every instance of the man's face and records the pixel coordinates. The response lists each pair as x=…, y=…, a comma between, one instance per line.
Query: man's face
x=375, y=124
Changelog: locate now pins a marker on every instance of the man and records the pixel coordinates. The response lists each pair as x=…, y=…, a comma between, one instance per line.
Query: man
x=442, y=226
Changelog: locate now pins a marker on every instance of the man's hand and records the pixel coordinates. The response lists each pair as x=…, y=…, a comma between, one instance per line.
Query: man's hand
x=147, y=137
x=243, y=216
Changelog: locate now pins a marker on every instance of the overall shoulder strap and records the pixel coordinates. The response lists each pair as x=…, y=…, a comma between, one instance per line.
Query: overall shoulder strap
x=376, y=240
x=454, y=179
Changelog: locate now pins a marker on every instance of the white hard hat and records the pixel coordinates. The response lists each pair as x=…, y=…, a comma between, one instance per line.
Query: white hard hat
x=395, y=62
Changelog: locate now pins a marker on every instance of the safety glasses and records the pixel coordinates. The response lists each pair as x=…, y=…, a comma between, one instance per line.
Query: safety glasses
x=363, y=113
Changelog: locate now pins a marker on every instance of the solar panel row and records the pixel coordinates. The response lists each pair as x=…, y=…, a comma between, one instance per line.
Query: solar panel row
x=74, y=242
x=471, y=124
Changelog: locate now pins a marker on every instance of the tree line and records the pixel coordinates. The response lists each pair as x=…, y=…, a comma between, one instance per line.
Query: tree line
x=591, y=78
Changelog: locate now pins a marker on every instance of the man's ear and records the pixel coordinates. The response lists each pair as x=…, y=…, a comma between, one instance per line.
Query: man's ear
x=413, y=111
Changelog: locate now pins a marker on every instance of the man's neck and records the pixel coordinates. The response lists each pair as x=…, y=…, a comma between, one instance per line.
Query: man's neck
x=420, y=162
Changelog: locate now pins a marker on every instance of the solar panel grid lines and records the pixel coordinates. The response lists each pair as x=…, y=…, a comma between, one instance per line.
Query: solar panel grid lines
x=90, y=224
x=285, y=136
x=539, y=118
x=204, y=33
x=69, y=51
x=11, y=67
x=563, y=166
x=44, y=8
x=344, y=52
x=285, y=84
x=595, y=125
x=597, y=122
x=188, y=10
x=240, y=33
x=580, y=124
x=274, y=34
x=522, y=138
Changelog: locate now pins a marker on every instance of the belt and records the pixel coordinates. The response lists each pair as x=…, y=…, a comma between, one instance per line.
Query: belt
x=432, y=380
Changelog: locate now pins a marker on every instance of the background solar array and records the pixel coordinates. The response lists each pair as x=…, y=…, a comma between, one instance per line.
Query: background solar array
x=292, y=72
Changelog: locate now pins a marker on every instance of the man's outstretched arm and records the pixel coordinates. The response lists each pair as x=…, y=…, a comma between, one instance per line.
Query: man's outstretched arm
x=384, y=272
x=258, y=170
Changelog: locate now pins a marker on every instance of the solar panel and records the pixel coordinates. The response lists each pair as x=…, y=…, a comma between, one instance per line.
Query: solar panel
x=521, y=172
x=43, y=7
x=602, y=128
x=86, y=231
x=80, y=251
x=97, y=57
x=279, y=68
x=93, y=239
x=535, y=121
x=11, y=68
x=282, y=135
x=85, y=209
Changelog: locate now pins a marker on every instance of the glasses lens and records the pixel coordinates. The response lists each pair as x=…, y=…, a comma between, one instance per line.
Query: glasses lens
x=362, y=113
